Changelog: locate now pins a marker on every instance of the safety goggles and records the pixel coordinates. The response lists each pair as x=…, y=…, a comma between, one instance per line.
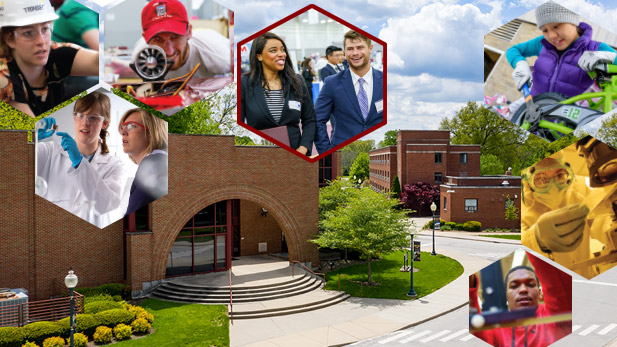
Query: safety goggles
x=31, y=33
x=131, y=126
x=540, y=180
x=90, y=119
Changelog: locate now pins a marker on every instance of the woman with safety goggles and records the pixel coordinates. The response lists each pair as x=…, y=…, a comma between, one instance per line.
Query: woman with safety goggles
x=32, y=67
x=81, y=176
x=144, y=139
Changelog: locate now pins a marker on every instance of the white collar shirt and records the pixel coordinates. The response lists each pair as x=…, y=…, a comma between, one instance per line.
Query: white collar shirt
x=368, y=84
x=334, y=66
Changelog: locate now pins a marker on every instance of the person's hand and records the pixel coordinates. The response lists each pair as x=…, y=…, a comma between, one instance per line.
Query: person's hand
x=522, y=74
x=473, y=281
x=302, y=150
x=561, y=230
x=589, y=59
x=70, y=146
x=48, y=128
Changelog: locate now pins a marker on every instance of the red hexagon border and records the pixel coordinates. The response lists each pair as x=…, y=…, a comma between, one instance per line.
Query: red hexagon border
x=286, y=19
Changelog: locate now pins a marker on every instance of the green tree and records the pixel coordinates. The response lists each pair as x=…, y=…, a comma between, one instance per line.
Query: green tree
x=244, y=141
x=351, y=151
x=512, y=212
x=395, y=190
x=389, y=138
x=490, y=165
x=608, y=131
x=336, y=193
x=360, y=168
x=368, y=223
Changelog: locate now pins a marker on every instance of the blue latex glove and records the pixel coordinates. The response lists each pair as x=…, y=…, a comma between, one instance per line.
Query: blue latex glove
x=70, y=146
x=47, y=129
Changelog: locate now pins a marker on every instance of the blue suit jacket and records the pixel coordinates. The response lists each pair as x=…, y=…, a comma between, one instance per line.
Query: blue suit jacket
x=326, y=72
x=337, y=102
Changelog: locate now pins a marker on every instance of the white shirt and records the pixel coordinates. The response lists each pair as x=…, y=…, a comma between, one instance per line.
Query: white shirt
x=100, y=181
x=206, y=47
x=335, y=67
x=368, y=84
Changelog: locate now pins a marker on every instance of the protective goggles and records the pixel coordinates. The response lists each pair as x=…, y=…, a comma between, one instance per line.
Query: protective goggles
x=540, y=180
x=131, y=126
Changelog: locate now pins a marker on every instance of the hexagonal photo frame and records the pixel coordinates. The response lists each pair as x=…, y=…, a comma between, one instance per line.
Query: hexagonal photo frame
x=569, y=210
x=312, y=116
x=175, y=56
x=66, y=60
x=547, y=72
x=101, y=158
x=520, y=300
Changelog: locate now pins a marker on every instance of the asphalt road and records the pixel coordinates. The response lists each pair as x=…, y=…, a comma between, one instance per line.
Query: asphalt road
x=594, y=306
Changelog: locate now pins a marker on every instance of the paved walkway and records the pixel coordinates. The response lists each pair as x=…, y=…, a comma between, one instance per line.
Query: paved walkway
x=357, y=318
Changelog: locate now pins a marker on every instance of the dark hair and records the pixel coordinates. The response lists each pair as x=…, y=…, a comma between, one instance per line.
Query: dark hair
x=87, y=103
x=305, y=65
x=521, y=267
x=287, y=75
x=5, y=33
x=331, y=49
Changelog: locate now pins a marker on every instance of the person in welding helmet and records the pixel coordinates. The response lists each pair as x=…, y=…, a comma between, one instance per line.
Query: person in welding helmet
x=554, y=217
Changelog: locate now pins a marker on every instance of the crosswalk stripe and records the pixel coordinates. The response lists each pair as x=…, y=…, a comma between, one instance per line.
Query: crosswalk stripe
x=589, y=330
x=439, y=334
x=607, y=329
x=395, y=337
x=453, y=336
x=575, y=328
x=467, y=338
x=425, y=332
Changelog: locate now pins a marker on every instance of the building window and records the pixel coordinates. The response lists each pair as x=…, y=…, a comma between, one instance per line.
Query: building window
x=445, y=203
x=437, y=177
x=138, y=221
x=325, y=170
x=463, y=158
x=471, y=205
x=437, y=158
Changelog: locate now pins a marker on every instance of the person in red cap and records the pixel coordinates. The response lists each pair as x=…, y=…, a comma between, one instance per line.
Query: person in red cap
x=165, y=24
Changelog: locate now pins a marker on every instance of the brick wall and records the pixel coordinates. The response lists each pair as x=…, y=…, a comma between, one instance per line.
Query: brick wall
x=254, y=229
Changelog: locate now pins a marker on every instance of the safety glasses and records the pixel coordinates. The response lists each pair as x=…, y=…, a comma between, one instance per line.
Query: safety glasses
x=540, y=180
x=90, y=119
x=31, y=33
x=131, y=126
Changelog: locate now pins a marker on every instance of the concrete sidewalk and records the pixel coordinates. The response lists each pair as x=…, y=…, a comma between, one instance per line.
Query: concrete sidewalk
x=357, y=318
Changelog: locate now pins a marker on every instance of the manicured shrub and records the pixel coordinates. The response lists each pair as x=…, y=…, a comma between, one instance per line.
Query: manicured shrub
x=140, y=325
x=12, y=337
x=86, y=324
x=472, y=226
x=429, y=225
x=108, y=288
x=29, y=344
x=146, y=315
x=102, y=334
x=98, y=297
x=135, y=309
x=37, y=332
x=111, y=318
x=122, y=332
x=118, y=298
x=79, y=340
x=55, y=341
x=458, y=226
x=100, y=306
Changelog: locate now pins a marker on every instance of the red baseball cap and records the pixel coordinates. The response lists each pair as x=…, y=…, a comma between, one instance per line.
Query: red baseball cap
x=163, y=16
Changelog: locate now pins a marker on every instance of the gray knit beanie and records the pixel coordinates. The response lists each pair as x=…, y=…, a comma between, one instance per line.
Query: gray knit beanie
x=550, y=12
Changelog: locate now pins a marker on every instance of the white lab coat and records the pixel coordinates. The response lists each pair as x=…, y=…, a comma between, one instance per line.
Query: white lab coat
x=101, y=181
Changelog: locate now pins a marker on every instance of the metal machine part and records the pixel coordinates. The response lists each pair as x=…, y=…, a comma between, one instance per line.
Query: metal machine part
x=601, y=161
x=151, y=63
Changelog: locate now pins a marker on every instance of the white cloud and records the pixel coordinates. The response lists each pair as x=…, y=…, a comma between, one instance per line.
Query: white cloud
x=426, y=87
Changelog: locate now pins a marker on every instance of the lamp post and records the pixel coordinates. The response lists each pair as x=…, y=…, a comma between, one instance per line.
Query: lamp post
x=433, y=209
x=412, y=292
x=71, y=282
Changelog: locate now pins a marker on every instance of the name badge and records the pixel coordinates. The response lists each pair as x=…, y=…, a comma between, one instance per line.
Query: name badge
x=295, y=105
x=379, y=105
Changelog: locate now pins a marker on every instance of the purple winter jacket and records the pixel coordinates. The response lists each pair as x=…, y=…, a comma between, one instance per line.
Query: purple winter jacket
x=553, y=73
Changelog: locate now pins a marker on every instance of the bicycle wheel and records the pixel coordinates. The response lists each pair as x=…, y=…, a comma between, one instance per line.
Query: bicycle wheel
x=541, y=100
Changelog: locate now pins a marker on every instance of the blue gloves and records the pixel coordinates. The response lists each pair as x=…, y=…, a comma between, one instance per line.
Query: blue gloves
x=48, y=128
x=70, y=146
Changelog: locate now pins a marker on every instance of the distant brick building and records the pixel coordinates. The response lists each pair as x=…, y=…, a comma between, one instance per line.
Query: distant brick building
x=428, y=156
x=223, y=201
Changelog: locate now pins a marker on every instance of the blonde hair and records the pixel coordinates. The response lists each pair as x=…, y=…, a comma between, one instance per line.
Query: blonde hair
x=156, y=130
x=91, y=101
x=354, y=35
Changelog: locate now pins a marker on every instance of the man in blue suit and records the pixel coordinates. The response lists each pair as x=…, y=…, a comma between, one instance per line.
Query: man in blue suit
x=352, y=100
x=333, y=54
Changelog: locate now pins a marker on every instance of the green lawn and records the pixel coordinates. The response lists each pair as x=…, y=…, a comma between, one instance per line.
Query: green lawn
x=193, y=324
x=509, y=237
x=434, y=273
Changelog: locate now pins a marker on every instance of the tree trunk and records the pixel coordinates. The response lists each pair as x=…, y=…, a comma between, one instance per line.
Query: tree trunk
x=369, y=271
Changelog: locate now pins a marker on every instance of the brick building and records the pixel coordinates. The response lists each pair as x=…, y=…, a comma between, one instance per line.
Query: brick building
x=223, y=201
x=428, y=156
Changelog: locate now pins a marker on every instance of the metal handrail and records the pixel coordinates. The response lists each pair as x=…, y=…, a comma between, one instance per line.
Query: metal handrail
x=311, y=271
x=231, y=300
x=43, y=310
x=350, y=280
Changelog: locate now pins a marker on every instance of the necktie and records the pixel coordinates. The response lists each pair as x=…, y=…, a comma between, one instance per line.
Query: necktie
x=362, y=99
x=336, y=69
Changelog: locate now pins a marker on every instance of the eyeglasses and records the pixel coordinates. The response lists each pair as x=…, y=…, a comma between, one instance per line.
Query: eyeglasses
x=90, y=119
x=131, y=126
x=32, y=33
x=540, y=181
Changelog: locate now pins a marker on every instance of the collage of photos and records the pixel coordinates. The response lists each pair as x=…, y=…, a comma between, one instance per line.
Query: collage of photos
x=216, y=173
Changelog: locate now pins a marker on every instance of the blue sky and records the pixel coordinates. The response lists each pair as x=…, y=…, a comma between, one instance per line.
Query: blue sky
x=435, y=59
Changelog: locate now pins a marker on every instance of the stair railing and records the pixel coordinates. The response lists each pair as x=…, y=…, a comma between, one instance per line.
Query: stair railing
x=231, y=300
x=350, y=280
x=311, y=271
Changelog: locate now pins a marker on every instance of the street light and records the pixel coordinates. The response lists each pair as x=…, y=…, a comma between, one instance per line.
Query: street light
x=433, y=209
x=71, y=282
x=412, y=292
